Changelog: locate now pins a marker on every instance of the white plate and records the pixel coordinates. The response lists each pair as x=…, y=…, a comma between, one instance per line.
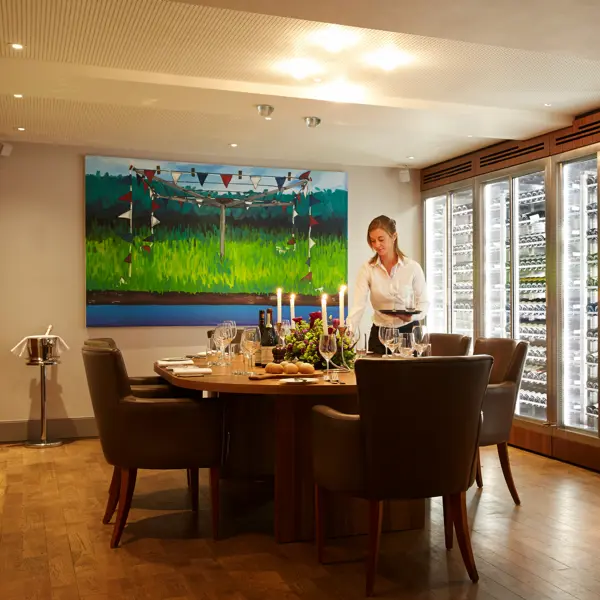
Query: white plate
x=172, y=358
x=298, y=380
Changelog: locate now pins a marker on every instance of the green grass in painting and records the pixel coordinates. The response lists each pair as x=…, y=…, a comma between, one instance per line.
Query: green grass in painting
x=189, y=261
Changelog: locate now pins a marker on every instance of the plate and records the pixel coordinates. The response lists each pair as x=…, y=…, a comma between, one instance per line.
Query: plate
x=300, y=380
x=173, y=358
x=393, y=313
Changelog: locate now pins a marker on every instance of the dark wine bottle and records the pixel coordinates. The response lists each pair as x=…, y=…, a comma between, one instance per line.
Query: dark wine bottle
x=268, y=340
x=261, y=321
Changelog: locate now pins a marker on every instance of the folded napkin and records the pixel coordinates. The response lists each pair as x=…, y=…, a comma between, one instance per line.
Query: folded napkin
x=168, y=363
x=191, y=371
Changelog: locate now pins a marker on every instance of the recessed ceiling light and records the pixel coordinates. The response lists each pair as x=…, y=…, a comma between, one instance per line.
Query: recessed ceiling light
x=299, y=68
x=17, y=46
x=317, y=80
x=17, y=95
x=547, y=104
x=268, y=118
x=389, y=58
x=469, y=135
x=20, y=128
x=410, y=157
x=233, y=145
x=335, y=39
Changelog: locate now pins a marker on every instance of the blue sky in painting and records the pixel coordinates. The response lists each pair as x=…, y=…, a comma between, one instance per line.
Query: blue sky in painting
x=120, y=166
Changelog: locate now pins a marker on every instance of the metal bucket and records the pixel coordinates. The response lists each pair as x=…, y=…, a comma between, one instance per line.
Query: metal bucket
x=43, y=349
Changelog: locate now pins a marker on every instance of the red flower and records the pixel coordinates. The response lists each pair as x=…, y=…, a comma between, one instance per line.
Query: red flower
x=330, y=330
x=313, y=316
x=336, y=323
x=297, y=319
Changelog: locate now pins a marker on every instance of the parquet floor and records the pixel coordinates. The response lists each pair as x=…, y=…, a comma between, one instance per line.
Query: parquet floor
x=53, y=545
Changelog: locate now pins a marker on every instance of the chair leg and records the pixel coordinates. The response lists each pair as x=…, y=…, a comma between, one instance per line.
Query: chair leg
x=128, y=477
x=375, y=517
x=194, y=487
x=507, y=472
x=478, y=476
x=319, y=522
x=448, y=530
x=458, y=503
x=215, y=476
x=113, y=496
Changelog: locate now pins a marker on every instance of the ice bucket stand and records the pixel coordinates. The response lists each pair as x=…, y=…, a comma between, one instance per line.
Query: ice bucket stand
x=42, y=351
x=43, y=443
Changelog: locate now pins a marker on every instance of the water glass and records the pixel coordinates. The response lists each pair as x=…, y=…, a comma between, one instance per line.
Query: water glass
x=327, y=349
x=386, y=337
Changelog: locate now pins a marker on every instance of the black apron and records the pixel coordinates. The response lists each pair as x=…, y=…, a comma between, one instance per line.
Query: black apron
x=376, y=346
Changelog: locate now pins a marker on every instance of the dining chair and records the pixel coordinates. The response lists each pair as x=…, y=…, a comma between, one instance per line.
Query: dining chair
x=150, y=433
x=449, y=344
x=377, y=456
x=149, y=386
x=500, y=401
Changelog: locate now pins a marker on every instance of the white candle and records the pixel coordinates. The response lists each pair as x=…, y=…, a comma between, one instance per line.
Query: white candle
x=292, y=308
x=278, y=305
x=342, y=292
x=324, y=311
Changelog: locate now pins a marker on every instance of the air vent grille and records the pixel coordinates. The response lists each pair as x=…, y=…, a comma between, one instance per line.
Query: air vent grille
x=509, y=154
x=583, y=132
x=447, y=172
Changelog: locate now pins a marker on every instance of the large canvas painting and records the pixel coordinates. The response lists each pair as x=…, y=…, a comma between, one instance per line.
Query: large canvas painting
x=171, y=243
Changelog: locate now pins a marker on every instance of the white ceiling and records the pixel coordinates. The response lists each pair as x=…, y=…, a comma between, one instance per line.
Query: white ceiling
x=183, y=77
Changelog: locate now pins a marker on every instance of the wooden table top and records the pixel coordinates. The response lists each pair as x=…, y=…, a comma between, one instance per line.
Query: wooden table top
x=222, y=380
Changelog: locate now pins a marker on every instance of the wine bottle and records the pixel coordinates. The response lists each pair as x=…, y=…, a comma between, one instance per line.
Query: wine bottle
x=261, y=321
x=268, y=340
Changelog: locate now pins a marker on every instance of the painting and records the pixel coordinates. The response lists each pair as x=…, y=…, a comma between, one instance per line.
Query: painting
x=173, y=243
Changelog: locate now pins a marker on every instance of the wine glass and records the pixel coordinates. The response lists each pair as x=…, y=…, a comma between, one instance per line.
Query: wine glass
x=386, y=336
x=285, y=328
x=421, y=339
x=327, y=348
x=232, y=330
x=250, y=343
x=219, y=335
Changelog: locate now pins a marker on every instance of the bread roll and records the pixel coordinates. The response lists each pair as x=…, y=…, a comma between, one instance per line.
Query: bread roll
x=306, y=368
x=290, y=369
x=274, y=369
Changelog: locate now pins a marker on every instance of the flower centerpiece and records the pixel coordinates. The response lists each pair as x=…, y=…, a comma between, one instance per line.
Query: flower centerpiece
x=302, y=343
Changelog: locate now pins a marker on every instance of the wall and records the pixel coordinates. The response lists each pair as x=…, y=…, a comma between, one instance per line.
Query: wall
x=43, y=274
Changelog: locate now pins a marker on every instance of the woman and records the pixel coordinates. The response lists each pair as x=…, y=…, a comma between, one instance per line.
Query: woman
x=383, y=277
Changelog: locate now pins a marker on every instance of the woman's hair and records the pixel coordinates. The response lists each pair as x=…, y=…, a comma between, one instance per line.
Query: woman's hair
x=389, y=226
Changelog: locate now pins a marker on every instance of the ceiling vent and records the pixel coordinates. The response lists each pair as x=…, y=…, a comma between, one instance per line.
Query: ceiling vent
x=584, y=132
x=447, y=172
x=508, y=154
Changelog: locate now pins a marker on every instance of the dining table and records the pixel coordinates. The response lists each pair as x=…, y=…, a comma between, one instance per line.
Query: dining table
x=267, y=425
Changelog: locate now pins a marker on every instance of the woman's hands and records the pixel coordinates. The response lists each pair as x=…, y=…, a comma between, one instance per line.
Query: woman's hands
x=405, y=318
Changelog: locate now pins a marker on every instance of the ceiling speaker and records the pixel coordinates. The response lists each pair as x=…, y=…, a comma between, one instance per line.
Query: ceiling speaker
x=5, y=149
x=404, y=175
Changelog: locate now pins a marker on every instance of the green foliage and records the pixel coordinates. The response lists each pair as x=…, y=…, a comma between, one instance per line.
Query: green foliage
x=303, y=344
x=188, y=260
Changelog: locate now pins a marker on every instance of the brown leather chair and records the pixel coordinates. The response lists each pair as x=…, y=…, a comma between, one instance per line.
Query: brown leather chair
x=449, y=344
x=142, y=387
x=500, y=400
x=150, y=433
x=392, y=450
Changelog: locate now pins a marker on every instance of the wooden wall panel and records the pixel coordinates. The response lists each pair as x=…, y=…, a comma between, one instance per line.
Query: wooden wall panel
x=512, y=153
x=448, y=172
x=584, y=132
x=576, y=448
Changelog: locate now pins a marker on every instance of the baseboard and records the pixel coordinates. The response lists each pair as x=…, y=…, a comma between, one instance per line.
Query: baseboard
x=57, y=429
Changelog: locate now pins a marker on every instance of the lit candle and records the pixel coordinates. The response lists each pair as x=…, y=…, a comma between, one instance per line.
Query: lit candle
x=342, y=292
x=324, y=311
x=292, y=307
x=278, y=305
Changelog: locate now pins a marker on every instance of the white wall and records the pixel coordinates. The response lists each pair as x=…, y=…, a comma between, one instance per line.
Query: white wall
x=42, y=272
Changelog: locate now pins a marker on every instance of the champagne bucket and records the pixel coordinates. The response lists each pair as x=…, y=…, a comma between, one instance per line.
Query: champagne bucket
x=42, y=349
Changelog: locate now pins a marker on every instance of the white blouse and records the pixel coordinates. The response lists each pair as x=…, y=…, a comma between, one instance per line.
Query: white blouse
x=374, y=279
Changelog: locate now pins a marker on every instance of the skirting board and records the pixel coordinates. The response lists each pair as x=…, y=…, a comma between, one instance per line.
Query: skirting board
x=58, y=429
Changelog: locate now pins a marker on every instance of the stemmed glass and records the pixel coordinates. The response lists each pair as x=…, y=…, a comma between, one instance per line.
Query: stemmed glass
x=421, y=339
x=285, y=328
x=386, y=337
x=250, y=343
x=327, y=348
x=233, y=331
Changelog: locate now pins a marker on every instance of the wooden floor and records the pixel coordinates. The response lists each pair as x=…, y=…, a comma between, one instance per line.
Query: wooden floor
x=54, y=546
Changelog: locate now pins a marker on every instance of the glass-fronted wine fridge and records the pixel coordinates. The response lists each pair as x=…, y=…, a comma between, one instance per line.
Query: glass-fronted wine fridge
x=514, y=277
x=579, y=195
x=449, y=262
